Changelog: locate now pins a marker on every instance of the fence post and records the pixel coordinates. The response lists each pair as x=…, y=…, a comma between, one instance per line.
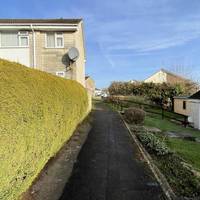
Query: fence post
x=121, y=107
x=162, y=112
x=185, y=121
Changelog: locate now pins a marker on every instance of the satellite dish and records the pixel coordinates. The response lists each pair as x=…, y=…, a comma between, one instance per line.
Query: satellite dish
x=73, y=54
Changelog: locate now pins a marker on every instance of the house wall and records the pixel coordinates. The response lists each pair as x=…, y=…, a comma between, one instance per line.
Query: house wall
x=79, y=69
x=159, y=77
x=195, y=114
x=178, y=107
x=53, y=60
x=90, y=86
x=17, y=54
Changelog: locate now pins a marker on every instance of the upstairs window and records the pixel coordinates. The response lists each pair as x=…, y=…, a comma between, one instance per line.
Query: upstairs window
x=23, y=39
x=9, y=40
x=59, y=40
x=14, y=39
x=54, y=40
x=50, y=40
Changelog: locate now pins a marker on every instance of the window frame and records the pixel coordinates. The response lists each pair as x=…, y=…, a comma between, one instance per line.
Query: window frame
x=56, y=35
x=19, y=35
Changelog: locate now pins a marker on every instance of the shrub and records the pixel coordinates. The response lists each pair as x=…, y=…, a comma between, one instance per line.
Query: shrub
x=154, y=92
x=181, y=179
x=153, y=143
x=111, y=99
x=134, y=115
x=38, y=114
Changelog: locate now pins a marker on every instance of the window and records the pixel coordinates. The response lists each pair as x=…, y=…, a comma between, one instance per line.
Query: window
x=23, y=39
x=61, y=74
x=50, y=40
x=14, y=39
x=184, y=105
x=54, y=40
x=59, y=40
x=9, y=39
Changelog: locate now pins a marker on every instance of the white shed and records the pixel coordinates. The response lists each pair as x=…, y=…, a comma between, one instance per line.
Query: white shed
x=189, y=106
x=194, y=117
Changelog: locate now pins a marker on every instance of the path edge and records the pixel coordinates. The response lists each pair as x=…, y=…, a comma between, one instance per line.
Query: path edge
x=157, y=173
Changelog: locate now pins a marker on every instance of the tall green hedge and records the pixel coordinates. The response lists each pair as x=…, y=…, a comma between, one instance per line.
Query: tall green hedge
x=38, y=114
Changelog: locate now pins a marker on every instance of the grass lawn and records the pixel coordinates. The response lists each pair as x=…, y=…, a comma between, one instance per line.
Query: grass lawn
x=182, y=180
x=167, y=125
x=139, y=99
x=189, y=151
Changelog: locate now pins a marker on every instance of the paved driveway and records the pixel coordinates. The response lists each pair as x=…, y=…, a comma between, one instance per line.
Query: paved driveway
x=109, y=166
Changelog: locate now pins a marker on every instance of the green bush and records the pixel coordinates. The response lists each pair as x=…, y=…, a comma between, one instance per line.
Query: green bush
x=151, y=91
x=38, y=114
x=153, y=143
x=111, y=99
x=134, y=115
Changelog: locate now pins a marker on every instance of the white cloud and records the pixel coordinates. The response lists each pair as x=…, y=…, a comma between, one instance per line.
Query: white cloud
x=129, y=36
x=139, y=27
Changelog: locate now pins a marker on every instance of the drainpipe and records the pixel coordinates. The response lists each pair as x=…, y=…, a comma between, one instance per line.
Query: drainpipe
x=34, y=50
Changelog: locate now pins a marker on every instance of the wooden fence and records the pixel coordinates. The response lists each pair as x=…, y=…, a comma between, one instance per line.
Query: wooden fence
x=150, y=108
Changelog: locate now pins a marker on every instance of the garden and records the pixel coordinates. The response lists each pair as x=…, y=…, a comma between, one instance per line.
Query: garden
x=175, y=149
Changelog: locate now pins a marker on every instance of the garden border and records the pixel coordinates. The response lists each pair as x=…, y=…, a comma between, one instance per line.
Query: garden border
x=157, y=173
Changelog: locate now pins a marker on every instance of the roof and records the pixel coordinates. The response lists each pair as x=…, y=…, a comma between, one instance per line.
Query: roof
x=170, y=73
x=195, y=95
x=181, y=97
x=40, y=21
x=173, y=74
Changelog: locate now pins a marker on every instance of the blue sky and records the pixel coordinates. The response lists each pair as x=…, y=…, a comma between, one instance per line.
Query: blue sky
x=127, y=39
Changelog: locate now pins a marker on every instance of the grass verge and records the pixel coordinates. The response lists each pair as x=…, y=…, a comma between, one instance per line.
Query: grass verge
x=188, y=150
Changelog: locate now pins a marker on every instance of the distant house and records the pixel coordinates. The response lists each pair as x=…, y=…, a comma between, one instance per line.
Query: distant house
x=90, y=85
x=164, y=76
x=189, y=106
x=98, y=92
x=134, y=81
x=44, y=44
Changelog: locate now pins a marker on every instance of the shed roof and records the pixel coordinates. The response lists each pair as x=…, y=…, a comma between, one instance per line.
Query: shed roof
x=195, y=95
x=181, y=97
